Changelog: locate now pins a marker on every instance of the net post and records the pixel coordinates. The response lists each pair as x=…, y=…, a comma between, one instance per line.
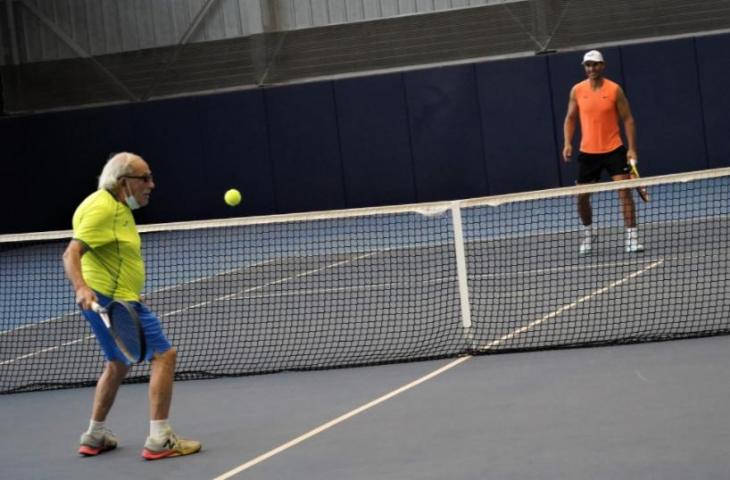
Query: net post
x=461, y=273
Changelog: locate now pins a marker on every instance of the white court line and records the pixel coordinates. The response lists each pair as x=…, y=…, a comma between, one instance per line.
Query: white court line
x=566, y=307
x=190, y=307
x=46, y=350
x=242, y=294
x=31, y=325
x=208, y=277
x=691, y=255
x=437, y=280
x=326, y=426
x=340, y=419
x=276, y=282
x=164, y=289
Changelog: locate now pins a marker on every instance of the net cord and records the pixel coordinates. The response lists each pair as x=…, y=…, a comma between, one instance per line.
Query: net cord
x=427, y=209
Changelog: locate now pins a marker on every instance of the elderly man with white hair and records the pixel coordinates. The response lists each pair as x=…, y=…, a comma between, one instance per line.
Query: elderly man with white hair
x=104, y=262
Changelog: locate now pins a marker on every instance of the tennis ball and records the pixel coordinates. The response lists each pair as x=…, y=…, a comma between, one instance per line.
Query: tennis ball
x=232, y=197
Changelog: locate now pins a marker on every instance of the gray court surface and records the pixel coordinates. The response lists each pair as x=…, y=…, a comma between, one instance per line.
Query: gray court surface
x=646, y=411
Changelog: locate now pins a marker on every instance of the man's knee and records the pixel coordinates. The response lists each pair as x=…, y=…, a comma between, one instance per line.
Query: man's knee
x=168, y=356
x=116, y=369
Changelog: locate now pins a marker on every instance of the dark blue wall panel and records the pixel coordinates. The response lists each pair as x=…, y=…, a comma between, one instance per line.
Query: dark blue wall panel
x=375, y=141
x=105, y=130
x=517, y=118
x=63, y=154
x=445, y=133
x=665, y=99
x=713, y=57
x=65, y=180
x=565, y=71
x=304, y=147
x=18, y=178
x=167, y=135
x=235, y=154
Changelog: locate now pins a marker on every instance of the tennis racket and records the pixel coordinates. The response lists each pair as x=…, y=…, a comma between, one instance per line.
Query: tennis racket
x=125, y=328
x=643, y=192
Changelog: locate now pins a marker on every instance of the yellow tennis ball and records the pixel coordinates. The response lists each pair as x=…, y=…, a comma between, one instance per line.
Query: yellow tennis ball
x=232, y=197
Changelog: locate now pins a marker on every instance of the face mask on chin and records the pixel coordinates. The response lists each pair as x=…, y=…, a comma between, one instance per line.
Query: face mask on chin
x=131, y=202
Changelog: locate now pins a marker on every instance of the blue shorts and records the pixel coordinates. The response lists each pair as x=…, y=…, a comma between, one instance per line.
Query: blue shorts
x=154, y=336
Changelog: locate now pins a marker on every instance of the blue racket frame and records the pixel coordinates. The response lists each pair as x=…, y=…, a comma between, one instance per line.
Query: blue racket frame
x=115, y=325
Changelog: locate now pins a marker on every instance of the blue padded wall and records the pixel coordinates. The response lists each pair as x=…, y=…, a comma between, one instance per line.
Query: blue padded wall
x=565, y=71
x=517, y=125
x=63, y=154
x=105, y=130
x=375, y=141
x=235, y=154
x=52, y=162
x=17, y=171
x=665, y=98
x=445, y=133
x=167, y=134
x=304, y=147
x=435, y=134
x=714, y=68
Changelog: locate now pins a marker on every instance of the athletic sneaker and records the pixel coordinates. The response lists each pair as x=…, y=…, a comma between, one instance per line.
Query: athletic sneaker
x=169, y=446
x=585, y=246
x=634, y=247
x=632, y=241
x=97, y=442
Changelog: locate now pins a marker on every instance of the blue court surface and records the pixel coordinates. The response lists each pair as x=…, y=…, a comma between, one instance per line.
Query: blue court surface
x=346, y=292
x=648, y=411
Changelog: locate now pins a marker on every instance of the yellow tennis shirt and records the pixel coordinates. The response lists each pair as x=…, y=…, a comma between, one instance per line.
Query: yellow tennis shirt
x=113, y=264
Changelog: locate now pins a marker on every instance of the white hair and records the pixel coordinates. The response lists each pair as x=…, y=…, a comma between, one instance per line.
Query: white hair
x=119, y=165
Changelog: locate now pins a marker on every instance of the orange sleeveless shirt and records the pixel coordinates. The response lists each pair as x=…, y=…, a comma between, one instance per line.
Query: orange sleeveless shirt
x=599, y=119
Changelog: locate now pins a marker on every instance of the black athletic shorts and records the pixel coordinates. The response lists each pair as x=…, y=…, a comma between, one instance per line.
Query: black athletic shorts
x=590, y=165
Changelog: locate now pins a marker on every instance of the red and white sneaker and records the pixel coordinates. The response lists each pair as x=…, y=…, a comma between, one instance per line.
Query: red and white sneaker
x=98, y=442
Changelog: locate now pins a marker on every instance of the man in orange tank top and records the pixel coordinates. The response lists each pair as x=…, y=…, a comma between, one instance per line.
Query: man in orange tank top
x=599, y=104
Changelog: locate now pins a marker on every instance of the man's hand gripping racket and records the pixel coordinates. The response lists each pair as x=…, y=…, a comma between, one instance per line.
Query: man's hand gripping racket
x=643, y=192
x=125, y=328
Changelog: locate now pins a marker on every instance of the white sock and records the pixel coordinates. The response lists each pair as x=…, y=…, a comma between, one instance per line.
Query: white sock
x=587, y=231
x=631, y=233
x=95, y=426
x=158, y=428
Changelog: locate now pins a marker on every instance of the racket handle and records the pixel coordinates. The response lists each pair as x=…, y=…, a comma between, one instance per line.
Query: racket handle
x=102, y=313
x=632, y=162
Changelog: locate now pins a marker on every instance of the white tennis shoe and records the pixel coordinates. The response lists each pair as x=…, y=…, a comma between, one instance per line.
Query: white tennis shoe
x=585, y=247
x=97, y=442
x=632, y=241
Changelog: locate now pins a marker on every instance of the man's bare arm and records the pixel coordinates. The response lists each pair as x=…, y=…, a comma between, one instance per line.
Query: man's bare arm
x=624, y=111
x=72, y=265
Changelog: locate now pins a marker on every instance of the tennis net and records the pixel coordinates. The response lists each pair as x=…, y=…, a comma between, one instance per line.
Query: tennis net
x=372, y=286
